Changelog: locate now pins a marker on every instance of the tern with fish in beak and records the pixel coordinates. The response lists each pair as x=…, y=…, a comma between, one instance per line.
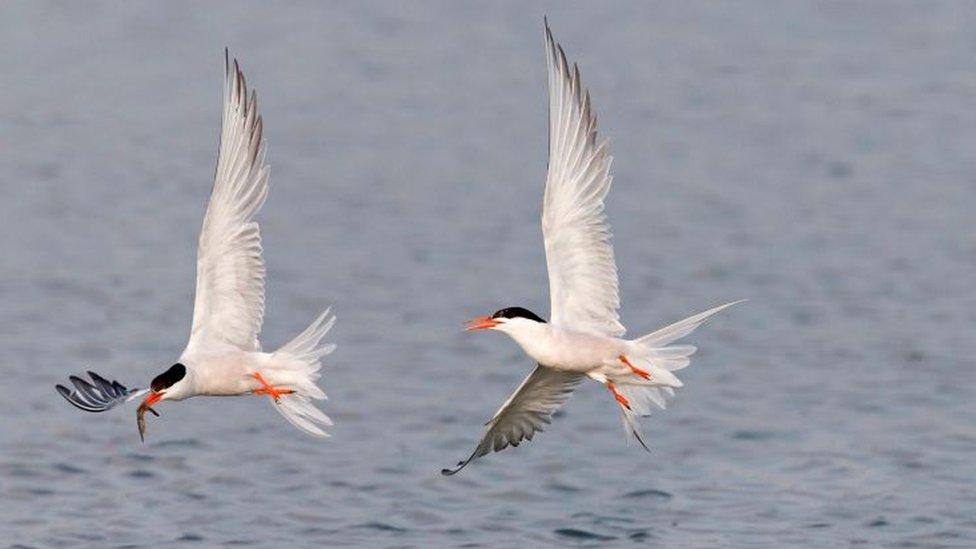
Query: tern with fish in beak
x=223, y=356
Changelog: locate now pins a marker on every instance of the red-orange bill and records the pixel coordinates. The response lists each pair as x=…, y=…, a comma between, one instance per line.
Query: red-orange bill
x=152, y=398
x=481, y=323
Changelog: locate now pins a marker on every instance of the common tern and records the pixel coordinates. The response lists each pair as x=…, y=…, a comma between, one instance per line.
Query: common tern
x=584, y=337
x=223, y=356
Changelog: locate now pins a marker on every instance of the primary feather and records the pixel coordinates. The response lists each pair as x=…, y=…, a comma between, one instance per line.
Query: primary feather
x=98, y=395
x=583, y=284
x=229, y=306
x=526, y=412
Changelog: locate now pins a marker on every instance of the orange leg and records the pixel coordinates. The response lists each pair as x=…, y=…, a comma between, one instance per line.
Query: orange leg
x=268, y=389
x=617, y=396
x=635, y=369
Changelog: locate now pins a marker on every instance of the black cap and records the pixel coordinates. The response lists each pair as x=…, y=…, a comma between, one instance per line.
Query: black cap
x=517, y=312
x=166, y=379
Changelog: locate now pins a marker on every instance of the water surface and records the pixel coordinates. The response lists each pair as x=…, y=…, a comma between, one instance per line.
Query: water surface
x=816, y=160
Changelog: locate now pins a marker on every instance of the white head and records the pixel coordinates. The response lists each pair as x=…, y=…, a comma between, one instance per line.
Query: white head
x=173, y=384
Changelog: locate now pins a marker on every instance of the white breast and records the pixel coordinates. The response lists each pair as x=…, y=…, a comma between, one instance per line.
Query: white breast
x=226, y=374
x=565, y=350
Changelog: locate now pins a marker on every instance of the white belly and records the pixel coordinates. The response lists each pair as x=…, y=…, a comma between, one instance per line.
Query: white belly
x=227, y=374
x=573, y=351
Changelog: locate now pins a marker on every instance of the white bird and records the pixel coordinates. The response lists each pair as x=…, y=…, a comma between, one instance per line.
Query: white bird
x=584, y=337
x=223, y=356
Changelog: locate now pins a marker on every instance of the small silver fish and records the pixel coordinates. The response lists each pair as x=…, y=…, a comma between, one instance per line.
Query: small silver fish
x=141, y=419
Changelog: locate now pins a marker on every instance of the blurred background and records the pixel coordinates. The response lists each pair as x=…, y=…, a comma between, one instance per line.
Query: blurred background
x=816, y=159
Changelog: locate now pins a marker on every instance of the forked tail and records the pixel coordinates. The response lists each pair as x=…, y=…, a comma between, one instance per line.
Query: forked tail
x=297, y=365
x=655, y=353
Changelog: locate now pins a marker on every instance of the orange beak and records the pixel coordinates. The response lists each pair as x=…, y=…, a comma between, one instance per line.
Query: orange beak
x=152, y=398
x=481, y=323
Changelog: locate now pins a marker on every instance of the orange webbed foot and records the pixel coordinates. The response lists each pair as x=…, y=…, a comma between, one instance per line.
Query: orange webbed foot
x=268, y=389
x=621, y=399
x=642, y=373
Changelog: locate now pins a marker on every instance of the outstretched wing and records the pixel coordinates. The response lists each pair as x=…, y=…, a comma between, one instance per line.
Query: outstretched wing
x=97, y=396
x=525, y=412
x=582, y=272
x=229, y=306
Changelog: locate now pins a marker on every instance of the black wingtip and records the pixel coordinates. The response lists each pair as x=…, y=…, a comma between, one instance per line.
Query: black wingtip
x=452, y=472
x=74, y=399
x=96, y=396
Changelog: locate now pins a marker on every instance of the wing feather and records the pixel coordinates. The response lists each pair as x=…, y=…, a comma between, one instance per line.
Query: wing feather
x=96, y=396
x=229, y=305
x=583, y=283
x=525, y=413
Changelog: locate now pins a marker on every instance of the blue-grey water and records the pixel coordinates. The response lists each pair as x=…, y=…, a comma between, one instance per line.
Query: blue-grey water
x=816, y=159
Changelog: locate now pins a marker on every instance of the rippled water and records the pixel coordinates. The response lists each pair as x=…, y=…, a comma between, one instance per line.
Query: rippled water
x=817, y=160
